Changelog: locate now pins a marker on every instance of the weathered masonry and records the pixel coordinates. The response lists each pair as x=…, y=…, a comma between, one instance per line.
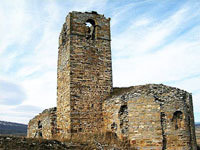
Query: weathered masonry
x=43, y=125
x=152, y=116
x=84, y=72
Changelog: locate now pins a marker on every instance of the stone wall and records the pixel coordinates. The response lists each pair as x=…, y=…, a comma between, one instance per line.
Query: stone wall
x=63, y=82
x=84, y=73
x=151, y=117
x=43, y=125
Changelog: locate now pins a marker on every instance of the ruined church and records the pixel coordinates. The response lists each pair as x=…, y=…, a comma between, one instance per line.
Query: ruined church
x=152, y=116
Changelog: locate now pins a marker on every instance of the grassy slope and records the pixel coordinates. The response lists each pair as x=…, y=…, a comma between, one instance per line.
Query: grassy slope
x=11, y=128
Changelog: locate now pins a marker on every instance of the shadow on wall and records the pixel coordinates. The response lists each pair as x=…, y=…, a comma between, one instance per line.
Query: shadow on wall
x=177, y=119
x=38, y=133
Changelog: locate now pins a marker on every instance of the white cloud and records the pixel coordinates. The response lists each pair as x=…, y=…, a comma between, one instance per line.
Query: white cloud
x=173, y=62
x=138, y=39
x=15, y=23
x=19, y=113
x=90, y=5
x=141, y=22
x=11, y=93
x=41, y=91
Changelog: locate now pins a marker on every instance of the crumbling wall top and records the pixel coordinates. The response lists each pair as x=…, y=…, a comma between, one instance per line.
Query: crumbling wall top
x=156, y=90
x=88, y=13
x=46, y=111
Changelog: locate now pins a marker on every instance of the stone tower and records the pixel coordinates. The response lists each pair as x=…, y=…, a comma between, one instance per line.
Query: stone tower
x=84, y=73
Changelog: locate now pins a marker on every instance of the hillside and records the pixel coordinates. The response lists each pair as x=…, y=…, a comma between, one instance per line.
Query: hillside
x=11, y=128
x=197, y=126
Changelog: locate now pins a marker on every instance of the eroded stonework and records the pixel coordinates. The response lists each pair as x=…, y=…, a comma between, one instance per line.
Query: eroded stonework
x=148, y=117
x=151, y=117
x=84, y=73
x=43, y=125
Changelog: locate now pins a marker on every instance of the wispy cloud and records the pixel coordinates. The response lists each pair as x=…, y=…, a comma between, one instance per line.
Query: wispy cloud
x=148, y=52
x=11, y=93
x=19, y=113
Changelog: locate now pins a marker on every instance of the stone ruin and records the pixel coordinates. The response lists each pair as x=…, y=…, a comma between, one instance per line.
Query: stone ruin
x=152, y=116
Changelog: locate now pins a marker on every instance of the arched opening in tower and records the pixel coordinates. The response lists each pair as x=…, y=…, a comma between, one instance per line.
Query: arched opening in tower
x=90, y=25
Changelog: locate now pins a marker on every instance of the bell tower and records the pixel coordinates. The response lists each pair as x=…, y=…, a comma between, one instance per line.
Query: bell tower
x=84, y=77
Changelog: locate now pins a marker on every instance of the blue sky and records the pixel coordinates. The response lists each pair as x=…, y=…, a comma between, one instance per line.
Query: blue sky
x=153, y=41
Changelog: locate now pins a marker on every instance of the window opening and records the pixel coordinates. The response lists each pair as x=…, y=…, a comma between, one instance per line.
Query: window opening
x=39, y=125
x=90, y=24
x=39, y=128
x=123, y=117
x=177, y=119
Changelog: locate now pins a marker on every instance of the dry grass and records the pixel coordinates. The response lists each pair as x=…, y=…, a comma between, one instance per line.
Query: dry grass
x=100, y=141
x=22, y=143
x=105, y=141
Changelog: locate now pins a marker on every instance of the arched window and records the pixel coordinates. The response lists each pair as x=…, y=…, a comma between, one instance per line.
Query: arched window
x=90, y=24
x=177, y=119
